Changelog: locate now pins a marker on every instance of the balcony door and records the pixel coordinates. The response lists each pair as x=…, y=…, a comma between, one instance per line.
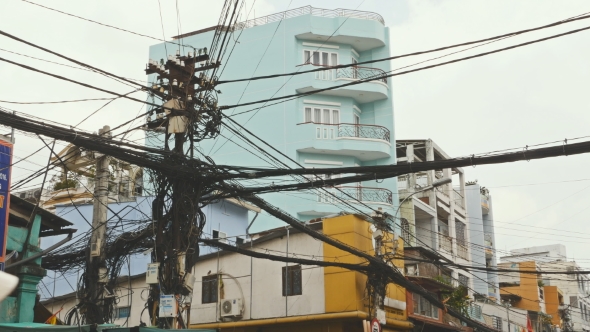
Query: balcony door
x=357, y=121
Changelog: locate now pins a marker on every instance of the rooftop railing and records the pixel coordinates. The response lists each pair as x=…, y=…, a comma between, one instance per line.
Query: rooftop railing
x=309, y=10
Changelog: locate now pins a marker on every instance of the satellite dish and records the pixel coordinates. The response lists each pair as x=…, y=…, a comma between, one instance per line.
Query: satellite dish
x=8, y=282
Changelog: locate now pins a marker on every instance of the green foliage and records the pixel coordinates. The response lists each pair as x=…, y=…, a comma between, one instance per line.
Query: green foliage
x=457, y=299
x=443, y=280
x=540, y=283
x=64, y=184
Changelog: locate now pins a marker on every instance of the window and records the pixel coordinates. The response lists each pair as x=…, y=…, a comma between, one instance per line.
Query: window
x=318, y=58
x=497, y=323
x=292, y=280
x=239, y=241
x=463, y=281
x=406, y=232
x=460, y=232
x=209, y=289
x=574, y=301
x=423, y=307
x=123, y=312
x=321, y=116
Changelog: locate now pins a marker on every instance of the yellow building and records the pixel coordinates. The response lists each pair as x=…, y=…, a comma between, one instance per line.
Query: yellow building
x=328, y=299
x=524, y=289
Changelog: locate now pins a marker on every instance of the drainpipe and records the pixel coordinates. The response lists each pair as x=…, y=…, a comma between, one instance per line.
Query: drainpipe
x=251, y=261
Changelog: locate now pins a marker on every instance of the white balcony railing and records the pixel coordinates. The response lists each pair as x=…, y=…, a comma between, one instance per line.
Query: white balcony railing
x=445, y=243
x=462, y=252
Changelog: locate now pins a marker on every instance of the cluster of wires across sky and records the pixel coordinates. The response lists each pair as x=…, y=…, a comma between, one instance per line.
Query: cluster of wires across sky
x=132, y=235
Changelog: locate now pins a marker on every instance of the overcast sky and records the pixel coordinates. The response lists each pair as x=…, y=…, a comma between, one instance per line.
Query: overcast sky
x=526, y=96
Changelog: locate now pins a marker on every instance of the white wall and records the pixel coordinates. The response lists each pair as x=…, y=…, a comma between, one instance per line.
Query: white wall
x=267, y=300
x=138, y=293
x=517, y=316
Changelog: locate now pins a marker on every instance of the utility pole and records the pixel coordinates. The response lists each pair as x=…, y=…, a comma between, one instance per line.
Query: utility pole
x=507, y=305
x=378, y=285
x=96, y=270
x=185, y=106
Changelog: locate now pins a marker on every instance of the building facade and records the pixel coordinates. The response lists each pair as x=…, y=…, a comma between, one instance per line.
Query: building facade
x=275, y=296
x=574, y=288
x=349, y=126
x=434, y=219
x=483, y=240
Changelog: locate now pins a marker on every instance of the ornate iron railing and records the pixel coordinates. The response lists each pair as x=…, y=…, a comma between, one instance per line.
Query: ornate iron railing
x=363, y=131
x=309, y=10
x=331, y=131
x=363, y=194
x=361, y=73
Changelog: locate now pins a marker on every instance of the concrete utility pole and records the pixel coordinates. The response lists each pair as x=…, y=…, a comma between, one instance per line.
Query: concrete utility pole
x=96, y=269
x=184, y=106
x=507, y=305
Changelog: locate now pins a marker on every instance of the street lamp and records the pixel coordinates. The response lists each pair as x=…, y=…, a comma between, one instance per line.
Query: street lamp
x=437, y=183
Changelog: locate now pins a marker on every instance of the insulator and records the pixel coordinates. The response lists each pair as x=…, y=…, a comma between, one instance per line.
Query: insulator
x=190, y=54
x=177, y=52
x=174, y=82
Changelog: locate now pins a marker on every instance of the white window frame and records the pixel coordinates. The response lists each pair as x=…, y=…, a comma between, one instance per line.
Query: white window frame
x=322, y=75
x=333, y=112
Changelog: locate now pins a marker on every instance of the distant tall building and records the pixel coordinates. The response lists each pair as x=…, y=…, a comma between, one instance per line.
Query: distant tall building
x=483, y=240
x=351, y=126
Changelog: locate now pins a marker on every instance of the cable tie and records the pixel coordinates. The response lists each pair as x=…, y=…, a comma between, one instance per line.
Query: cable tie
x=471, y=158
x=564, y=144
x=524, y=150
x=377, y=181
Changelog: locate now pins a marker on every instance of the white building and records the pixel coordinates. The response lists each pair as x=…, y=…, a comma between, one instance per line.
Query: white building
x=434, y=219
x=575, y=287
x=232, y=291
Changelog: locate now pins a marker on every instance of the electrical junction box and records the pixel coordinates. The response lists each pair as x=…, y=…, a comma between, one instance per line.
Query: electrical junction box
x=168, y=306
x=151, y=276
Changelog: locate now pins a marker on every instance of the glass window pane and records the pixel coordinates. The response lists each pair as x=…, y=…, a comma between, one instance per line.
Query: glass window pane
x=317, y=115
x=326, y=118
x=317, y=133
x=306, y=57
x=334, y=59
x=335, y=117
x=316, y=58
x=307, y=114
x=325, y=59
x=416, y=299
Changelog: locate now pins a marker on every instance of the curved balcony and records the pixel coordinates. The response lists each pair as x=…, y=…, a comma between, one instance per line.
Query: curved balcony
x=363, y=131
x=365, y=142
x=366, y=92
x=361, y=73
x=367, y=195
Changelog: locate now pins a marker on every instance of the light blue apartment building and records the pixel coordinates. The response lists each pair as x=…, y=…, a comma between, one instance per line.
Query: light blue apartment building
x=344, y=127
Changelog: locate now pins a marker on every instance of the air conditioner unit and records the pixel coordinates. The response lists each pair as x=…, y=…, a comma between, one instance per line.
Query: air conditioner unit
x=223, y=237
x=231, y=308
